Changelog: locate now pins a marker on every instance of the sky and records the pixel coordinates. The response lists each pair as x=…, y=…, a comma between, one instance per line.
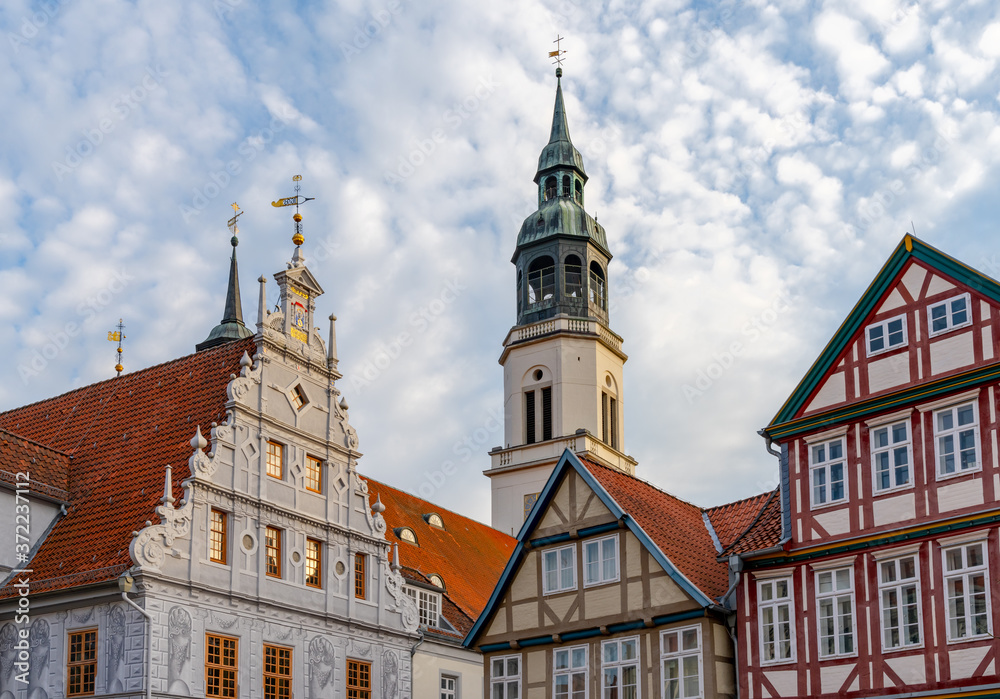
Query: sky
x=754, y=163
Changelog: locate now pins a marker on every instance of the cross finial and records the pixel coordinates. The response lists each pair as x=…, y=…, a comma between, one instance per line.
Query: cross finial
x=118, y=336
x=557, y=55
x=232, y=222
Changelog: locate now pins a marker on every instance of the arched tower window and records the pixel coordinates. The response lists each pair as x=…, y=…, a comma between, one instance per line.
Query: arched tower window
x=598, y=287
x=550, y=188
x=573, y=277
x=566, y=186
x=541, y=280
x=579, y=193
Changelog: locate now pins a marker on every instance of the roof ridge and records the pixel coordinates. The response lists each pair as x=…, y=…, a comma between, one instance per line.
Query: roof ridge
x=760, y=513
x=36, y=443
x=129, y=375
x=737, y=502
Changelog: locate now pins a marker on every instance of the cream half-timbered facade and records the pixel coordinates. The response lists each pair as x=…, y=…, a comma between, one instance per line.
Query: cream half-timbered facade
x=883, y=573
x=592, y=604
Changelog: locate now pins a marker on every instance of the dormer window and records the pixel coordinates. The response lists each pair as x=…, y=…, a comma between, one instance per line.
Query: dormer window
x=299, y=399
x=434, y=519
x=406, y=534
x=428, y=605
x=949, y=315
x=886, y=335
x=436, y=581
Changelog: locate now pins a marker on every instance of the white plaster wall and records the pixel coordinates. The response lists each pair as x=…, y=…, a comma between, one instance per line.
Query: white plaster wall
x=41, y=514
x=434, y=659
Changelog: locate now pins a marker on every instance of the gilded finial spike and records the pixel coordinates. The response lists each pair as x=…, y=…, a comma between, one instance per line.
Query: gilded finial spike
x=118, y=336
x=557, y=55
x=295, y=201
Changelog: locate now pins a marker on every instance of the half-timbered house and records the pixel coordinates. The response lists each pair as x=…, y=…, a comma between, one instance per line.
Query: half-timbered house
x=875, y=568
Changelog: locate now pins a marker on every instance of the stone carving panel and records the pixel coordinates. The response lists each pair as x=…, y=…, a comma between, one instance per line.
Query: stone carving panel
x=178, y=650
x=8, y=654
x=390, y=675
x=39, y=644
x=116, y=673
x=321, y=664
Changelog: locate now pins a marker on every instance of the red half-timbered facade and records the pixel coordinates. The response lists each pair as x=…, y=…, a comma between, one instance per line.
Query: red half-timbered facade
x=876, y=572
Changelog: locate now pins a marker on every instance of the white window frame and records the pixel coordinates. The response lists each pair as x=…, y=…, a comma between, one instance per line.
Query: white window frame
x=570, y=670
x=560, y=587
x=955, y=432
x=825, y=467
x=620, y=664
x=680, y=655
x=883, y=326
x=600, y=549
x=836, y=595
x=890, y=450
x=455, y=692
x=965, y=573
x=897, y=586
x=422, y=599
x=506, y=678
x=949, y=315
x=773, y=605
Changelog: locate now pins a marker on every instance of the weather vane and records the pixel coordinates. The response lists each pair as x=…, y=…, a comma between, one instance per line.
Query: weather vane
x=298, y=238
x=557, y=55
x=232, y=222
x=118, y=336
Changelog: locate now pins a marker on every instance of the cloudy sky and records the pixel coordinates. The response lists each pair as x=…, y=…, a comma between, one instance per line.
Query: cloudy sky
x=753, y=163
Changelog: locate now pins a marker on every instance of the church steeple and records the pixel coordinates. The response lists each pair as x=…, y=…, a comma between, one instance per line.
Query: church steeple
x=232, y=326
x=563, y=365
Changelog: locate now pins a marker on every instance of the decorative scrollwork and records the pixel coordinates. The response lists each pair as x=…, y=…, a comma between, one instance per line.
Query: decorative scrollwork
x=250, y=373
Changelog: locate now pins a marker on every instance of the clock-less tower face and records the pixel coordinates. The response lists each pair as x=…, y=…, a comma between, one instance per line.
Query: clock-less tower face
x=299, y=290
x=563, y=366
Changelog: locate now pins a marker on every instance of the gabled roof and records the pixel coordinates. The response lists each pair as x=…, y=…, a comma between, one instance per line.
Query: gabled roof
x=671, y=530
x=468, y=555
x=909, y=248
x=48, y=468
x=732, y=520
x=118, y=435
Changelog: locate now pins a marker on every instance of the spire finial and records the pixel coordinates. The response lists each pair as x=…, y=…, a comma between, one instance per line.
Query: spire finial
x=557, y=55
x=118, y=336
x=296, y=200
x=231, y=327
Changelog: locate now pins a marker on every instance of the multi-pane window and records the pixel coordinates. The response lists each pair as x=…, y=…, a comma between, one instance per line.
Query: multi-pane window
x=541, y=280
x=835, y=603
x=314, y=563
x=82, y=664
x=272, y=551
x=573, y=280
x=955, y=439
x=314, y=474
x=220, y=666
x=299, y=398
x=827, y=470
x=449, y=687
x=559, y=569
x=569, y=672
x=277, y=672
x=275, y=460
x=505, y=677
x=891, y=455
x=217, y=536
x=600, y=560
x=887, y=335
x=965, y=576
x=680, y=657
x=359, y=575
x=428, y=605
x=899, y=590
x=620, y=668
x=950, y=314
x=359, y=679
x=774, y=612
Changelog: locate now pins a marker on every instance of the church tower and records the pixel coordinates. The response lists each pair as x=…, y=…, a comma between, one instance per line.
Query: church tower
x=562, y=364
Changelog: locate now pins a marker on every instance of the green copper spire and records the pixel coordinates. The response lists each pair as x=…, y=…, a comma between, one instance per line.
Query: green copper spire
x=232, y=326
x=559, y=152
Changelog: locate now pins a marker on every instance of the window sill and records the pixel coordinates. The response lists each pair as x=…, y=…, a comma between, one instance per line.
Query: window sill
x=903, y=649
x=895, y=490
x=844, y=502
x=563, y=591
x=587, y=586
x=971, y=639
x=843, y=656
x=777, y=663
x=953, y=328
x=886, y=351
x=958, y=474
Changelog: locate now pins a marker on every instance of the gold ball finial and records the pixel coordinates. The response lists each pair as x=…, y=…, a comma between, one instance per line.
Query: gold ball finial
x=298, y=239
x=119, y=368
x=297, y=218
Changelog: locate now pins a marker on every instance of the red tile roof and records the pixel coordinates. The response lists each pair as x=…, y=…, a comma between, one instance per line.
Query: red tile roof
x=118, y=435
x=764, y=532
x=47, y=469
x=675, y=526
x=731, y=520
x=468, y=555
